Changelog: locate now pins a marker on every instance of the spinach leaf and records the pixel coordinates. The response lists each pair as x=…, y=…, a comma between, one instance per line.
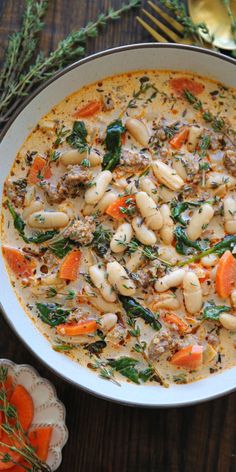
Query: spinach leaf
x=78, y=138
x=19, y=225
x=135, y=310
x=61, y=247
x=126, y=367
x=101, y=240
x=178, y=208
x=183, y=244
x=229, y=242
x=113, y=145
x=146, y=374
x=96, y=347
x=212, y=311
x=52, y=313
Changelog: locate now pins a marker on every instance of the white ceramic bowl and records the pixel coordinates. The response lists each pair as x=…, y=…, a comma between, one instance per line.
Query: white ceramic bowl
x=91, y=69
x=48, y=410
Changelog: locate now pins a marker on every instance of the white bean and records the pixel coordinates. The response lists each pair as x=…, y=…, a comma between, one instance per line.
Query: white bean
x=98, y=277
x=165, y=194
x=149, y=211
x=219, y=182
x=173, y=279
x=30, y=195
x=67, y=207
x=73, y=156
x=233, y=298
x=180, y=168
x=192, y=292
x=148, y=186
x=210, y=261
x=198, y=222
x=167, y=175
x=32, y=208
x=167, y=230
x=143, y=234
x=119, y=279
x=47, y=125
x=134, y=261
x=230, y=214
x=108, y=321
x=228, y=321
x=193, y=137
x=98, y=187
x=105, y=201
x=138, y=131
x=166, y=301
x=169, y=254
x=123, y=234
x=48, y=219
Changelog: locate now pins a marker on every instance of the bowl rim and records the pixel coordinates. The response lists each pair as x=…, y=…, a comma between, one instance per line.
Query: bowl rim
x=37, y=91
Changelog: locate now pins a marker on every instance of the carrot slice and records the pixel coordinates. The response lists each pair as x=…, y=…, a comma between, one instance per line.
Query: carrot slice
x=183, y=83
x=15, y=456
x=121, y=207
x=76, y=329
x=23, y=403
x=20, y=264
x=190, y=357
x=88, y=110
x=40, y=440
x=39, y=170
x=226, y=275
x=70, y=265
x=179, y=138
x=171, y=318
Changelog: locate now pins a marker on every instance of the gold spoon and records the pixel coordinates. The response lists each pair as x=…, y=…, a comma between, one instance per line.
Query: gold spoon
x=215, y=15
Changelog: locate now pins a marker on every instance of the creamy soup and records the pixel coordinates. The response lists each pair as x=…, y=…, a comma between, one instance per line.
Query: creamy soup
x=119, y=227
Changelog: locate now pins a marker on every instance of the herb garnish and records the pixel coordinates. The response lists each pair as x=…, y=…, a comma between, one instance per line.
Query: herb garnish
x=145, y=85
x=134, y=310
x=96, y=347
x=212, y=311
x=113, y=145
x=178, y=208
x=78, y=138
x=183, y=244
x=52, y=313
x=19, y=225
x=229, y=242
x=101, y=240
x=204, y=145
x=61, y=247
x=128, y=367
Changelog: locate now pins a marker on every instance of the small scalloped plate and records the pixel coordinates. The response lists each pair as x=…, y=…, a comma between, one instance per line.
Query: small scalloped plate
x=48, y=410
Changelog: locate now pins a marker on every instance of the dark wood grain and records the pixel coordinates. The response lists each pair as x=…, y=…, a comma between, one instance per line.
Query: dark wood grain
x=106, y=437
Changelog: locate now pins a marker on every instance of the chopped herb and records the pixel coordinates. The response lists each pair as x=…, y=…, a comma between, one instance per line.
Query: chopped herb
x=212, y=311
x=54, y=156
x=52, y=313
x=126, y=367
x=61, y=247
x=96, y=347
x=204, y=145
x=70, y=295
x=171, y=130
x=145, y=85
x=51, y=292
x=140, y=347
x=134, y=310
x=197, y=104
x=85, y=163
x=101, y=240
x=60, y=133
x=113, y=145
x=78, y=138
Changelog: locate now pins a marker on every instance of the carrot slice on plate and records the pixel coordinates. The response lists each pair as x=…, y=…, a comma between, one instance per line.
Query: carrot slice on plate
x=20, y=264
x=39, y=170
x=180, y=84
x=40, y=440
x=226, y=275
x=121, y=207
x=189, y=357
x=171, y=318
x=179, y=138
x=23, y=403
x=5, y=449
x=88, y=110
x=76, y=329
x=70, y=266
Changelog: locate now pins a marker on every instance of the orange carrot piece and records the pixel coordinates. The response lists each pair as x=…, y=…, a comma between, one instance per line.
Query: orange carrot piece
x=23, y=403
x=15, y=456
x=179, y=138
x=20, y=264
x=40, y=440
x=39, y=170
x=190, y=357
x=70, y=265
x=183, y=83
x=121, y=207
x=90, y=109
x=226, y=275
x=76, y=329
x=171, y=318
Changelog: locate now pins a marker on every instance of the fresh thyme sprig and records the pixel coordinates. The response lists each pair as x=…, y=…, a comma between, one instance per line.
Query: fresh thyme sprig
x=12, y=427
x=191, y=29
x=24, y=78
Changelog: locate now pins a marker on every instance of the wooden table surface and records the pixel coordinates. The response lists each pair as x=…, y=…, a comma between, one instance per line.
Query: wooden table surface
x=107, y=437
